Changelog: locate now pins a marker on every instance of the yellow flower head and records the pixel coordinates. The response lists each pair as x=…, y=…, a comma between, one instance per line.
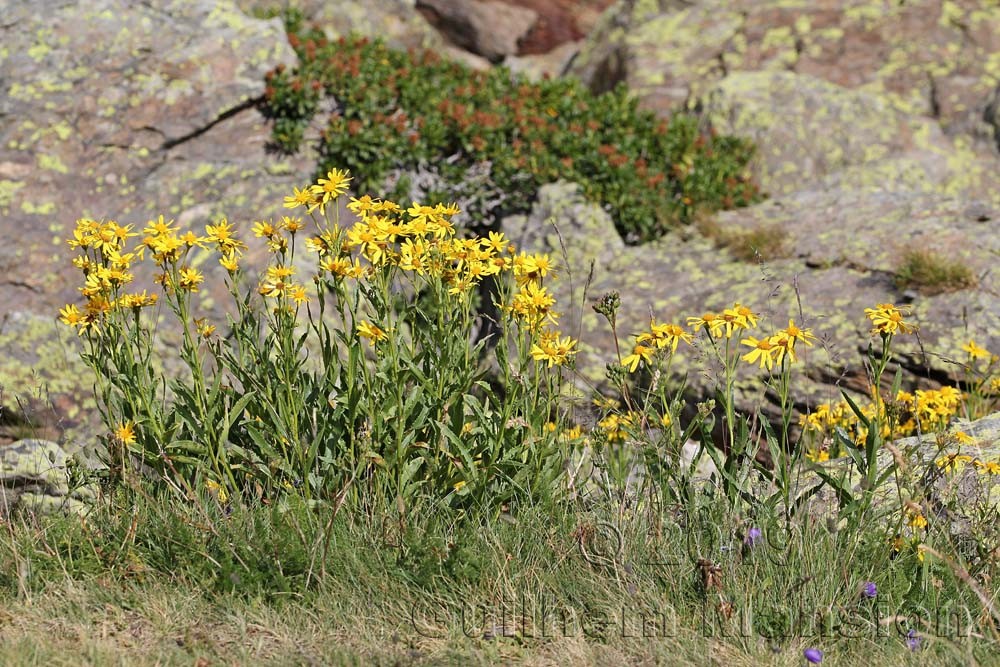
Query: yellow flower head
x=976, y=352
x=711, y=322
x=190, y=279
x=222, y=235
x=887, y=319
x=125, y=433
x=665, y=336
x=371, y=332
x=331, y=187
x=987, y=467
x=762, y=350
x=303, y=197
x=640, y=353
x=552, y=349
x=230, y=262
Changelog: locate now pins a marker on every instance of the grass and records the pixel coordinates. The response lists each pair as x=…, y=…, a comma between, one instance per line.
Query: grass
x=930, y=272
x=150, y=580
x=762, y=242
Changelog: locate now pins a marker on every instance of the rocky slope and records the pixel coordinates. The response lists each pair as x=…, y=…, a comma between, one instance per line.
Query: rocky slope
x=874, y=119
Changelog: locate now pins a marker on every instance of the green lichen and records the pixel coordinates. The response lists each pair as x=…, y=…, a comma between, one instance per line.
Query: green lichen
x=52, y=163
x=8, y=189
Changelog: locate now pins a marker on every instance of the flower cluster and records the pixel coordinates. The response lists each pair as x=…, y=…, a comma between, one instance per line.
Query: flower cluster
x=926, y=410
x=422, y=241
x=106, y=268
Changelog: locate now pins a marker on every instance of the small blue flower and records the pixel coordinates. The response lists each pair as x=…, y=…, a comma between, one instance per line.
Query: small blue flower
x=813, y=655
x=869, y=590
x=912, y=640
x=753, y=536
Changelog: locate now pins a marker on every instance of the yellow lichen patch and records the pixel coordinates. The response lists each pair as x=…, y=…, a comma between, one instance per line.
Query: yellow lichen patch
x=44, y=208
x=52, y=163
x=7, y=191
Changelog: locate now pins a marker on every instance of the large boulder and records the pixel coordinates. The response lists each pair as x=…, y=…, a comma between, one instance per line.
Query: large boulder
x=807, y=129
x=930, y=57
x=488, y=28
x=120, y=110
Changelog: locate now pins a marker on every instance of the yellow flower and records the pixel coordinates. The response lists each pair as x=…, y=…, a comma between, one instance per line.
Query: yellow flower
x=738, y=317
x=553, y=349
x=303, y=197
x=963, y=438
x=531, y=267
x=818, y=455
x=665, y=420
x=371, y=332
x=329, y=188
x=711, y=322
x=230, y=262
x=190, y=279
x=159, y=227
x=640, y=353
x=761, y=350
x=298, y=294
x=204, y=328
x=125, y=433
x=222, y=235
x=263, y=229
x=460, y=485
x=785, y=341
x=952, y=462
x=888, y=319
x=140, y=300
x=292, y=225
x=915, y=516
x=217, y=490
x=987, y=467
x=71, y=315
x=976, y=352
x=190, y=239
x=665, y=335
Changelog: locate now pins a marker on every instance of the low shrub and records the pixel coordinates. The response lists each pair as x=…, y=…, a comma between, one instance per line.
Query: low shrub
x=413, y=111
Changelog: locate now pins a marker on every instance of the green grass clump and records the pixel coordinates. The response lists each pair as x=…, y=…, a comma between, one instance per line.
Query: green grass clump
x=416, y=112
x=759, y=243
x=931, y=272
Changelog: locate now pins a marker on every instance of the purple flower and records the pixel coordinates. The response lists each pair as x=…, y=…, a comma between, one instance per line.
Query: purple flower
x=813, y=655
x=753, y=536
x=869, y=590
x=912, y=640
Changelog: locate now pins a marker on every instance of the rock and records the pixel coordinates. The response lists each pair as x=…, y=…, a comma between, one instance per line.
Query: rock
x=34, y=477
x=395, y=21
x=121, y=110
x=551, y=64
x=930, y=57
x=487, y=28
x=844, y=244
